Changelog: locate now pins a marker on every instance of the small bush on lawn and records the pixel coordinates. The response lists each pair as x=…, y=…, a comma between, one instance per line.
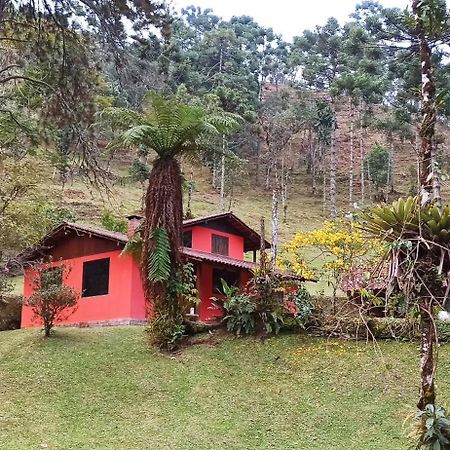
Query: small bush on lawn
x=165, y=332
x=51, y=301
x=10, y=312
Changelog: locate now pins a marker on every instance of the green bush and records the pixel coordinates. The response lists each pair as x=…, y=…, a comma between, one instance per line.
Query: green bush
x=443, y=329
x=298, y=303
x=239, y=310
x=10, y=312
x=165, y=332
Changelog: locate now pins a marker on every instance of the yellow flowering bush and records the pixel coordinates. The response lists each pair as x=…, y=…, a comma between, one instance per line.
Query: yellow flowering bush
x=331, y=251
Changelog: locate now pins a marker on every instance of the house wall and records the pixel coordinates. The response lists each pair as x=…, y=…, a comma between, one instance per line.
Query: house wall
x=202, y=240
x=124, y=301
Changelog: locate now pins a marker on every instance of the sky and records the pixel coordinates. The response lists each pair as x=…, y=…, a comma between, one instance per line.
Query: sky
x=286, y=17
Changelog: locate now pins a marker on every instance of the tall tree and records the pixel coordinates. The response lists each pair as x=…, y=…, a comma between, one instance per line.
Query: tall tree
x=170, y=129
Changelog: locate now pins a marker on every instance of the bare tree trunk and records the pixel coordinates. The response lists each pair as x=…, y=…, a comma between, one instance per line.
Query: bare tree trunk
x=427, y=362
x=284, y=182
x=274, y=227
x=222, y=178
x=436, y=180
x=262, y=248
x=362, y=152
x=426, y=175
x=391, y=175
x=427, y=127
x=214, y=175
x=333, y=207
x=312, y=151
x=268, y=172
x=352, y=153
x=188, y=214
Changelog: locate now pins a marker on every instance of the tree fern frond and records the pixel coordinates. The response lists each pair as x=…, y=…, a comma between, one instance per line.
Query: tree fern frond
x=159, y=259
x=120, y=117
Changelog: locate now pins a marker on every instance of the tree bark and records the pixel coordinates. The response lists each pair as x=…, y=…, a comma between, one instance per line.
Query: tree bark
x=163, y=209
x=426, y=174
x=427, y=126
x=362, y=153
x=352, y=153
x=222, y=179
x=427, y=362
x=333, y=194
x=262, y=248
x=274, y=227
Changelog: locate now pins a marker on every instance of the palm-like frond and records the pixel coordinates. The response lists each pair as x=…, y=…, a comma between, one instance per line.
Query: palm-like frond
x=120, y=117
x=159, y=258
x=169, y=127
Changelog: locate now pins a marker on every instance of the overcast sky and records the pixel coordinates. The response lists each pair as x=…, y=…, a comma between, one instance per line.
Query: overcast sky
x=288, y=17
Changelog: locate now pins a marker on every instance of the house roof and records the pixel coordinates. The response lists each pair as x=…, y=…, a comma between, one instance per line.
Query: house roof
x=252, y=240
x=62, y=229
x=198, y=255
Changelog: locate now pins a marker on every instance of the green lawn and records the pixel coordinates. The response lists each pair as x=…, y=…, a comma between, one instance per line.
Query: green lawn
x=103, y=389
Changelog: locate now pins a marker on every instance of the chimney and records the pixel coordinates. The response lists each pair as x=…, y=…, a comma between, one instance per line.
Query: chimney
x=134, y=220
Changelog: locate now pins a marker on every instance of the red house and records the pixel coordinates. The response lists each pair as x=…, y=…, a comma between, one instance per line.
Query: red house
x=109, y=281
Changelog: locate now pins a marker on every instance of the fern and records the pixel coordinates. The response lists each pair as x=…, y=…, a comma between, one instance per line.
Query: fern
x=159, y=258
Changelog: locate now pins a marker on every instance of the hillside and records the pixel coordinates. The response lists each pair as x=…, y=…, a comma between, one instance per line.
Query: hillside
x=103, y=389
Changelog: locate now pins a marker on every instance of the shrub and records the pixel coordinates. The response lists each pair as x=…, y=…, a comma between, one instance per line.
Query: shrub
x=443, y=329
x=298, y=303
x=165, y=332
x=10, y=312
x=112, y=223
x=239, y=310
x=51, y=300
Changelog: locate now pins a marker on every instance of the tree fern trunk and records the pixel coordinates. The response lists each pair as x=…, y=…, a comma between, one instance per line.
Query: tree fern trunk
x=163, y=209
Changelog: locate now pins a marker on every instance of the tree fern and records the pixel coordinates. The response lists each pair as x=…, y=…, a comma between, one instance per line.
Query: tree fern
x=159, y=257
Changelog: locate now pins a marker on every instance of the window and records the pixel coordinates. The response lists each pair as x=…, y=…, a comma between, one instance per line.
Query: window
x=187, y=239
x=231, y=277
x=219, y=245
x=96, y=277
x=51, y=277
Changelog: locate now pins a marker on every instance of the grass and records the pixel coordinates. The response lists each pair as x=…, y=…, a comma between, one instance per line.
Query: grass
x=103, y=389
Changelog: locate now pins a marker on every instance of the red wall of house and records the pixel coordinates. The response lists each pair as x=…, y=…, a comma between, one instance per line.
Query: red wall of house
x=202, y=240
x=125, y=299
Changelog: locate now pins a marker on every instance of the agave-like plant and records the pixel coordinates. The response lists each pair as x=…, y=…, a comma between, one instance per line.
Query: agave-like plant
x=419, y=254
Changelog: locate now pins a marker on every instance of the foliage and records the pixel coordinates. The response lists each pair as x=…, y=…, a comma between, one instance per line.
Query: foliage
x=139, y=171
x=10, y=312
x=51, y=301
x=167, y=329
x=377, y=165
x=159, y=258
x=298, y=302
x=239, y=310
x=110, y=222
x=436, y=434
x=339, y=245
x=165, y=332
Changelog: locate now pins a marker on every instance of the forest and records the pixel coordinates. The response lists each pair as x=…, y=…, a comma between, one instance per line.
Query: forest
x=116, y=108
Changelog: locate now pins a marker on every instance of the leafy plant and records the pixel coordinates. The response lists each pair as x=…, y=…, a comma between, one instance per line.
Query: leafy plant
x=434, y=428
x=165, y=332
x=159, y=257
x=239, y=310
x=298, y=303
x=51, y=301
x=112, y=223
